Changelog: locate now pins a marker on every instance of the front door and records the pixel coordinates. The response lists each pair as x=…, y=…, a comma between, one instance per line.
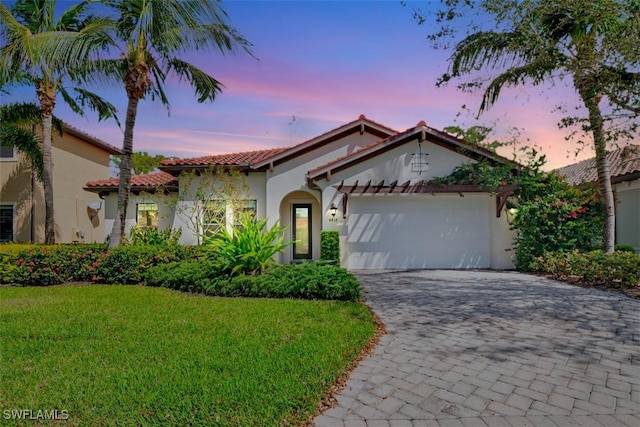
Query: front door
x=301, y=230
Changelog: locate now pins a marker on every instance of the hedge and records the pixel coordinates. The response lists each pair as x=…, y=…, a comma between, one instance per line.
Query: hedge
x=620, y=269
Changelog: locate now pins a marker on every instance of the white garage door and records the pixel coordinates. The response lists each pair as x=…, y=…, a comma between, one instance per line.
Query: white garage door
x=398, y=231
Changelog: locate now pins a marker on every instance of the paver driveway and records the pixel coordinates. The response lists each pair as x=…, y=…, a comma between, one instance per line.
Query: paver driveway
x=470, y=348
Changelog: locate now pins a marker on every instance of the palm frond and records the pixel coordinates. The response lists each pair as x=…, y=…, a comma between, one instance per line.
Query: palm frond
x=534, y=72
x=488, y=50
x=205, y=86
x=105, y=109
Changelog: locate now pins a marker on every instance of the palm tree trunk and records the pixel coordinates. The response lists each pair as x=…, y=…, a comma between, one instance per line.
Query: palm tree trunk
x=604, y=174
x=124, y=186
x=47, y=97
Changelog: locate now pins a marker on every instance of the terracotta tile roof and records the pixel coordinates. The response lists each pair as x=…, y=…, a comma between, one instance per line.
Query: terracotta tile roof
x=150, y=180
x=91, y=139
x=622, y=162
x=232, y=159
x=252, y=158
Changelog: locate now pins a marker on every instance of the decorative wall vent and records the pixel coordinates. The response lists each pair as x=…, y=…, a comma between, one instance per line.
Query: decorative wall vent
x=419, y=162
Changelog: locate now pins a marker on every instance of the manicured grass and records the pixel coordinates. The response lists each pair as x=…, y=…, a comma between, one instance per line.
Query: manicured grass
x=131, y=355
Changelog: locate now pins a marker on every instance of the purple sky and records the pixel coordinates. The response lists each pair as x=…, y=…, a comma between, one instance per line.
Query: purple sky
x=321, y=64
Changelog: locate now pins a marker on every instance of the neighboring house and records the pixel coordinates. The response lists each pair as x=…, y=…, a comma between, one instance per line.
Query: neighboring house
x=78, y=216
x=624, y=165
x=362, y=179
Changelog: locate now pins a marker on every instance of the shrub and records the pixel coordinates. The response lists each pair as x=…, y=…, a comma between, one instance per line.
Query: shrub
x=312, y=280
x=330, y=246
x=187, y=276
x=248, y=247
x=553, y=216
x=595, y=268
x=41, y=265
x=127, y=264
x=625, y=248
x=151, y=236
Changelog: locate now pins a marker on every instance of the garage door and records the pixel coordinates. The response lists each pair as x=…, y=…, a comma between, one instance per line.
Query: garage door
x=397, y=231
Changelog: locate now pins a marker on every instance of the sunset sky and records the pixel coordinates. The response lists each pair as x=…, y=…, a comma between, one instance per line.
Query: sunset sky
x=319, y=65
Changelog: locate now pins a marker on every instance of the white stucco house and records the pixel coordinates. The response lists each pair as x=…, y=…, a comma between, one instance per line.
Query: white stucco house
x=363, y=179
x=624, y=166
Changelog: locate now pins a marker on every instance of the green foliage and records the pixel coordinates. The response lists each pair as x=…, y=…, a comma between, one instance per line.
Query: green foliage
x=625, y=248
x=41, y=265
x=309, y=280
x=595, y=268
x=127, y=264
x=553, y=216
x=330, y=246
x=481, y=174
x=151, y=236
x=248, y=247
x=141, y=162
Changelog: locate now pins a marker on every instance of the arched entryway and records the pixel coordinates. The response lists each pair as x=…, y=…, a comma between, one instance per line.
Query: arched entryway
x=300, y=213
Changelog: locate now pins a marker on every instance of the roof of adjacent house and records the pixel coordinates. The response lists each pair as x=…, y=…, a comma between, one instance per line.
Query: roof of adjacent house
x=138, y=182
x=91, y=139
x=624, y=165
x=261, y=158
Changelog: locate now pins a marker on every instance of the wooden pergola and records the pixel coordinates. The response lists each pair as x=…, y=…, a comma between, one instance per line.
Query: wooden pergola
x=422, y=187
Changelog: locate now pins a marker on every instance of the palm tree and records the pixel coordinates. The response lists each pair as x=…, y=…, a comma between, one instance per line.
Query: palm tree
x=575, y=38
x=153, y=35
x=43, y=52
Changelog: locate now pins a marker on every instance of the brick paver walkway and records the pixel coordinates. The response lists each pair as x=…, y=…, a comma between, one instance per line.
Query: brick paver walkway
x=494, y=349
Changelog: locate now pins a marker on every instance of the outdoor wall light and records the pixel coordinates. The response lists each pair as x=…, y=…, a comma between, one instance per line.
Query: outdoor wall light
x=333, y=209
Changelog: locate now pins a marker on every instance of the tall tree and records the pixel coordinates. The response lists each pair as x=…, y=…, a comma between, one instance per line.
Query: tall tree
x=43, y=52
x=592, y=42
x=153, y=35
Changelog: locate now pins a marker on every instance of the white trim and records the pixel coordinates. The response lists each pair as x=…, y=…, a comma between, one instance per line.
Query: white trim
x=13, y=218
x=10, y=159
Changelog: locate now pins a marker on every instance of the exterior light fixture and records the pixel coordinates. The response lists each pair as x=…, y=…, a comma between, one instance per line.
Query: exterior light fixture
x=333, y=210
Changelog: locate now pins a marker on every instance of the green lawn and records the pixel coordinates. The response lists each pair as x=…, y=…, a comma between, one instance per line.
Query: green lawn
x=130, y=355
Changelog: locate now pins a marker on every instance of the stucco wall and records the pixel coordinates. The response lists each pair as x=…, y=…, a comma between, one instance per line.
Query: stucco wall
x=74, y=163
x=628, y=213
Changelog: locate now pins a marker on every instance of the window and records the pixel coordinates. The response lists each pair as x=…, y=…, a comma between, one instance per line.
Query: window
x=147, y=215
x=246, y=206
x=7, y=152
x=6, y=223
x=217, y=214
x=214, y=216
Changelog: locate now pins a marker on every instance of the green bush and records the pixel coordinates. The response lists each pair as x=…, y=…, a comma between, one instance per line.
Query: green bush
x=330, y=246
x=151, y=236
x=553, y=216
x=311, y=280
x=41, y=265
x=127, y=264
x=187, y=276
x=625, y=248
x=248, y=247
x=595, y=268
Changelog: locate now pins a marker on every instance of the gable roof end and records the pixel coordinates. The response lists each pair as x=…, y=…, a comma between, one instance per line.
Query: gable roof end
x=422, y=132
x=361, y=124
